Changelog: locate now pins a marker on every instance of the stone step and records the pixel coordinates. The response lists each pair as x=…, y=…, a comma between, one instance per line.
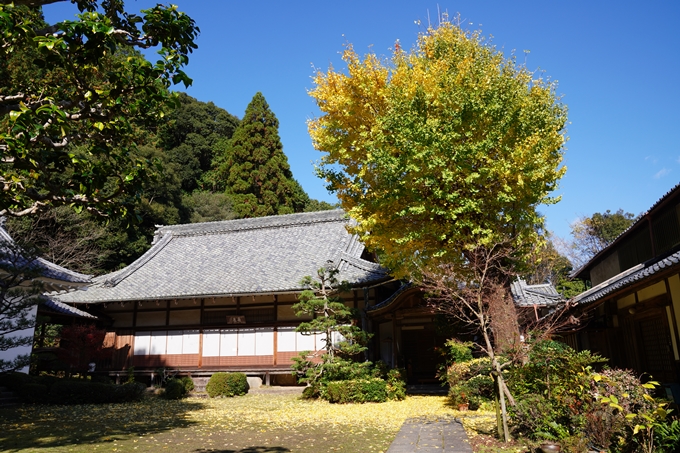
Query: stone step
x=9, y=401
x=7, y=398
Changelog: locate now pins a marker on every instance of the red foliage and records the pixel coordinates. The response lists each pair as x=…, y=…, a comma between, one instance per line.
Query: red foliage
x=82, y=344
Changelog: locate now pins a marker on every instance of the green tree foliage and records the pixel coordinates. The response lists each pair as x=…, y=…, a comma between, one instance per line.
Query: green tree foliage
x=82, y=242
x=440, y=150
x=255, y=171
x=343, y=340
x=209, y=207
x=67, y=130
x=20, y=291
x=192, y=135
x=331, y=316
x=593, y=234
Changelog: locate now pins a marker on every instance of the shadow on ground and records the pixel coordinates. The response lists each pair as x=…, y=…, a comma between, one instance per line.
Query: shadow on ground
x=248, y=450
x=43, y=426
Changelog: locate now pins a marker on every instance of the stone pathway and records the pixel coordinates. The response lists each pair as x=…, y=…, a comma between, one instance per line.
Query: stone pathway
x=445, y=435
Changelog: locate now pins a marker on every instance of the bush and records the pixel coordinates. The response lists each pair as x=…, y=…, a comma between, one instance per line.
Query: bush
x=456, y=351
x=396, y=385
x=227, y=384
x=13, y=381
x=312, y=391
x=75, y=391
x=53, y=390
x=33, y=393
x=188, y=383
x=482, y=386
x=174, y=389
x=460, y=372
x=356, y=391
x=99, y=378
x=560, y=397
x=130, y=391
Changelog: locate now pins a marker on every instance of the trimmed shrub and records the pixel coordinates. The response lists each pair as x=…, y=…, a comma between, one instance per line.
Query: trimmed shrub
x=54, y=390
x=356, y=391
x=174, y=390
x=73, y=391
x=14, y=380
x=227, y=384
x=100, y=378
x=33, y=393
x=47, y=380
x=131, y=391
x=188, y=383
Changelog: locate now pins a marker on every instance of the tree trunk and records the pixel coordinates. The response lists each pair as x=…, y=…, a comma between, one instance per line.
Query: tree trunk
x=501, y=395
x=500, y=382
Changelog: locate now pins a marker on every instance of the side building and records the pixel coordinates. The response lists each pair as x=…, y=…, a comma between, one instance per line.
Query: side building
x=19, y=273
x=632, y=308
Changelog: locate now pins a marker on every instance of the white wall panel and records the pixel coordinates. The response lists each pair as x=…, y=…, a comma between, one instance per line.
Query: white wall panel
x=285, y=341
x=229, y=343
x=305, y=342
x=142, y=340
x=191, y=341
x=175, y=342
x=246, y=342
x=320, y=341
x=158, y=343
x=211, y=343
x=264, y=341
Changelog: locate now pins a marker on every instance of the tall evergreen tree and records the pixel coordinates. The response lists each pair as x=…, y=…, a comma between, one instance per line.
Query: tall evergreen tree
x=255, y=169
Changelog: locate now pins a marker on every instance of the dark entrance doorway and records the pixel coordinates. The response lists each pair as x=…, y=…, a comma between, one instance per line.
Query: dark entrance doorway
x=421, y=359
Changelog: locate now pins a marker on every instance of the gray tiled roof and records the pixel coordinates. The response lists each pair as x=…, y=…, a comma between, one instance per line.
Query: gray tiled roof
x=236, y=257
x=529, y=295
x=46, y=268
x=626, y=278
x=62, y=308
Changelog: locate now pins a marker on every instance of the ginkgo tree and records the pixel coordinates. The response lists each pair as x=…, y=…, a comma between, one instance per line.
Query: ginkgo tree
x=439, y=150
x=442, y=156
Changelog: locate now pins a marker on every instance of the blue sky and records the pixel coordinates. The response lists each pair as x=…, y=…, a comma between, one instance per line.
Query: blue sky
x=617, y=64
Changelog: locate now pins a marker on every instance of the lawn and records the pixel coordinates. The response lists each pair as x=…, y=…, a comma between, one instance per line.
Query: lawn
x=248, y=424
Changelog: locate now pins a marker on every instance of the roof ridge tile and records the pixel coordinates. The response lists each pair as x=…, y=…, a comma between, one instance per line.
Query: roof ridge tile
x=277, y=221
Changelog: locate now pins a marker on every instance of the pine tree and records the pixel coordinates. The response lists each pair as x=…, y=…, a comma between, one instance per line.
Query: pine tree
x=256, y=170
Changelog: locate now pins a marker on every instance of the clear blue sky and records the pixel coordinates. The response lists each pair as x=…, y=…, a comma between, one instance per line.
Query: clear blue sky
x=617, y=64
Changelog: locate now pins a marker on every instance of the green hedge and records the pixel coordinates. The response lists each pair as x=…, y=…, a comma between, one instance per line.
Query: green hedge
x=227, y=384
x=13, y=381
x=76, y=391
x=33, y=393
x=53, y=390
x=356, y=391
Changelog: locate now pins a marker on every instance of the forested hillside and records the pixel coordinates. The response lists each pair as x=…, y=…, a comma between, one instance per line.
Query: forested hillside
x=210, y=166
